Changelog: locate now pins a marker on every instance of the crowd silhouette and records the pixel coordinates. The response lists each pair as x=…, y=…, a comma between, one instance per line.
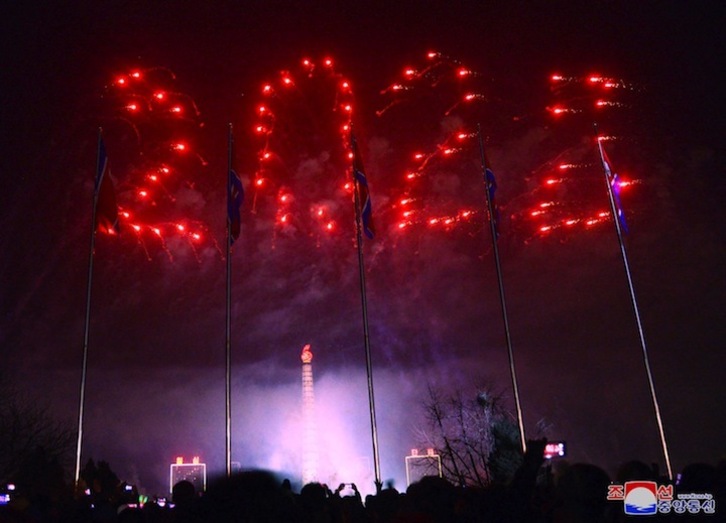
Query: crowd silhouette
x=536, y=493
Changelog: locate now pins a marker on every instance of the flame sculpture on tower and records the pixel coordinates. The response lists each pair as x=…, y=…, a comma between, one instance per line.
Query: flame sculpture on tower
x=309, y=451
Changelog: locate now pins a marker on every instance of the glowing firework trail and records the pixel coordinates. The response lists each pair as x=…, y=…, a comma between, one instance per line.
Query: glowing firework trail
x=163, y=122
x=444, y=90
x=303, y=121
x=563, y=197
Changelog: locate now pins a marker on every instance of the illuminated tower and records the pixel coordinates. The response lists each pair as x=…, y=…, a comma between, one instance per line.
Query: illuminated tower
x=309, y=451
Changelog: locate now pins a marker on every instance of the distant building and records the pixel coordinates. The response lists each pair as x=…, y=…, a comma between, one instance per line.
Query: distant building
x=194, y=472
x=419, y=465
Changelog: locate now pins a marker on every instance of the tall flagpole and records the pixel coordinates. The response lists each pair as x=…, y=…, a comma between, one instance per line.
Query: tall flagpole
x=84, y=366
x=510, y=352
x=613, y=208
x=228, y=317
x=366, y=336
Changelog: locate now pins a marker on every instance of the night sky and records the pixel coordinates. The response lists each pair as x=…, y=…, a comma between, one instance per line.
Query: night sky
x=157, y=332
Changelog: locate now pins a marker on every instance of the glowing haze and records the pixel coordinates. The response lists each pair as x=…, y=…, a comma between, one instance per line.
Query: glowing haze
x=164, y=83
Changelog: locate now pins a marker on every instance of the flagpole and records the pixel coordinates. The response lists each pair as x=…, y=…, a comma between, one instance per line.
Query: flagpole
x=634, y=303
x=510, y=352
x=366, y=336
x=228, y=317
x=84, y=365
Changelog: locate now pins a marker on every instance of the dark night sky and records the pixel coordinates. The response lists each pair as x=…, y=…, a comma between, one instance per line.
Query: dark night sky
x=156, y=373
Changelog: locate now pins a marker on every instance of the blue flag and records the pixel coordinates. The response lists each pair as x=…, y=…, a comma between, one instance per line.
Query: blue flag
x=235, y=196
x=615, y=185
x=366, y=211
x=105, y=196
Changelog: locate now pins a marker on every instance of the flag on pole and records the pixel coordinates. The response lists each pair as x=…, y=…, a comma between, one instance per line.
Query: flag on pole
x=615, y=185
x=366, y=211
x=105, y=195
x=492, y=188
x=235, y=196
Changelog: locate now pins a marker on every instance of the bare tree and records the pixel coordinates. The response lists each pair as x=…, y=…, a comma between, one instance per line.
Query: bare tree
x=28, y=430
x=476, y=437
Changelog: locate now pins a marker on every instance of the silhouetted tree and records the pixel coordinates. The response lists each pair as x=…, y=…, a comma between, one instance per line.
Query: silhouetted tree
x=28, y=431
x=476, y=437
x=100, y=479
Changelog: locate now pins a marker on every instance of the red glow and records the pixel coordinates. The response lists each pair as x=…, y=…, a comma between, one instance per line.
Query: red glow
x=287, y=81
x=136, y=74
x=136, y=228
x=159, y=95
x=153, y=177
x=143, y=194
x=179, y=147
x=261, y=129
x=156, y=231
x=330, y=226
x=267, y=89
x=180, y=227
x=557, y=77
x=132, y=107
x=463, y=72
x=328, y=62
x=259, y=182
x=176, y=109
x=196, y=236
x=551, y=181
x=121, y=81
x=409, y=72
x=165, y=170
x=406, y=201
x=600, y=103
x=432, y=54
x=594, y=79
x=262, y=109
x=125, y=214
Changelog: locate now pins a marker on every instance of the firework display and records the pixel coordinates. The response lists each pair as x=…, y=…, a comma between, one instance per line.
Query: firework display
x=301, y=183
x=154, y=132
